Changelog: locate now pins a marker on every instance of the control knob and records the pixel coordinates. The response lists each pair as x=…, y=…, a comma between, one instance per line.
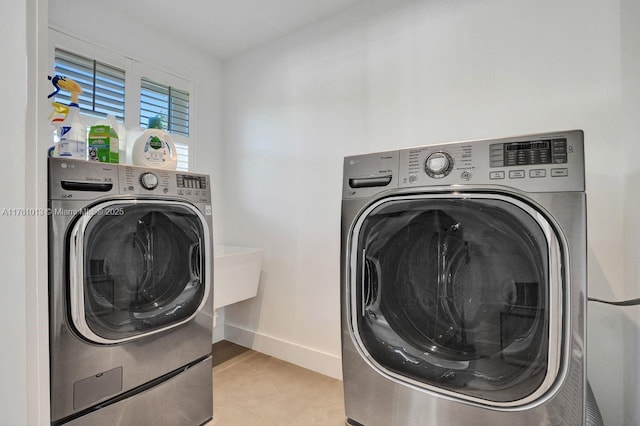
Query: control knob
x=148, y=180
x=438, y=164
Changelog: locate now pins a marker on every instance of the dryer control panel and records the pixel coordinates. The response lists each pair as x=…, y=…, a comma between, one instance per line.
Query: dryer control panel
x=546, y=162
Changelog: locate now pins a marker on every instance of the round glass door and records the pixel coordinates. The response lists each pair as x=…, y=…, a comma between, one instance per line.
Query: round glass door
x=139, y=269
x=454, y=293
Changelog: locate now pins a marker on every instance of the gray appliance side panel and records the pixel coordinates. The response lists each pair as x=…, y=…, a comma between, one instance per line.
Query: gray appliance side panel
x=373, y=399
x=183, y=400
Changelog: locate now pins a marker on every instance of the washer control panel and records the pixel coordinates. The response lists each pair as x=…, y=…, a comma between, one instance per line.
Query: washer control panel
x=144, y=181
x=73, y=179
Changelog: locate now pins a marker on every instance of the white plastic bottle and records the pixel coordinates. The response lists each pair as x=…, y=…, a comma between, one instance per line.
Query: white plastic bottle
x=57, y=118
x=155, y=148
x=73, y=131
x=73, y=135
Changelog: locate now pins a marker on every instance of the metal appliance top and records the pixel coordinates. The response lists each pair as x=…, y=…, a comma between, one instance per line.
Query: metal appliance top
x=545, y=162
x=86, y=180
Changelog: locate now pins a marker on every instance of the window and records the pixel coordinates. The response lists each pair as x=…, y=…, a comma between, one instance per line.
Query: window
x=102, y=84
x=170, y=104
x=130, y=90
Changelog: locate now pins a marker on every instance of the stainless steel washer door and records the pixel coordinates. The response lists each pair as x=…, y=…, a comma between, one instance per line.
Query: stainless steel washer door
x=459, y=294
x=136, y=268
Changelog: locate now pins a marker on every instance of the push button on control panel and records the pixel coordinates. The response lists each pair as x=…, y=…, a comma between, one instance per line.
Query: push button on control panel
x=537, y=173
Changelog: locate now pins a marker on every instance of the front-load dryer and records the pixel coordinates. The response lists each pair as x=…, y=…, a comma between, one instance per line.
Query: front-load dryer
x=464, y=283
x=130, y=286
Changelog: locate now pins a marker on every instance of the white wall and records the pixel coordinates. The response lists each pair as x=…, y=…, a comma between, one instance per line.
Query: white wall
x=24, y=394
x=390, y=74
x=631, y=140
x=13, y=366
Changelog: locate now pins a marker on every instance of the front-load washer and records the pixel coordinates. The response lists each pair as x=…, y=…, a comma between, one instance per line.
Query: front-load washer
x=130, y=295
x=464, y=283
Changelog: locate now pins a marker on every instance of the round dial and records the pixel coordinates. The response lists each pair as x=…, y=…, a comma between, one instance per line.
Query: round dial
x=148, y=180
x=438, y=164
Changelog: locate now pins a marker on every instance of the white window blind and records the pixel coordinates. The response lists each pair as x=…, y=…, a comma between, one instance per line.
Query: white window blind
x=103, y=85
x=172, y=106
x=169, y=103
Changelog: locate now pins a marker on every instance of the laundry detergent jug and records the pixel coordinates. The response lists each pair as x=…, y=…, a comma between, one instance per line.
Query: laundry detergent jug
x=155, y=148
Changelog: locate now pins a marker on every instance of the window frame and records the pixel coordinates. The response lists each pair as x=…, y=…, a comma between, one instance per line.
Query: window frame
x=135, y=70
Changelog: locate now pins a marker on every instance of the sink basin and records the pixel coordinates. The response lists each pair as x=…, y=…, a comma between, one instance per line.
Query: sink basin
x=236, y=274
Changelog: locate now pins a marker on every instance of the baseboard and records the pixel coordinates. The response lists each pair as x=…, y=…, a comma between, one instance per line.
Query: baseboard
x=218, y=325
x=218, y=333
x=313, y=359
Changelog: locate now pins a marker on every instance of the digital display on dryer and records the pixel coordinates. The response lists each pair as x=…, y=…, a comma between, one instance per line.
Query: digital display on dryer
x=528, y=146
x=528, y=153
x=191, y=182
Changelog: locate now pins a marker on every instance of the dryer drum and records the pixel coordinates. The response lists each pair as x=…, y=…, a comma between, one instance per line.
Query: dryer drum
x=447, y=295
x=461, y=281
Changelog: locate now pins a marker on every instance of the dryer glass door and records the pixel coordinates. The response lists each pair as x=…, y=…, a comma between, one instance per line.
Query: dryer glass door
x=137, y=268
x=453, y=293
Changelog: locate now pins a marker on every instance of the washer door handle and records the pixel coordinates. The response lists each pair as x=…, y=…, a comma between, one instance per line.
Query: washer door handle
x=369, y=282
x=195, y=257
x=76, y=275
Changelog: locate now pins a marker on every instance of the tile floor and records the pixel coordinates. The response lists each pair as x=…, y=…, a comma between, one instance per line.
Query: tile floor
x=254, y=389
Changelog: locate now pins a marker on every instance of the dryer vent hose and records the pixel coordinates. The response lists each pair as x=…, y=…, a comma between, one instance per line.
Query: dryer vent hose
x=593, y=412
